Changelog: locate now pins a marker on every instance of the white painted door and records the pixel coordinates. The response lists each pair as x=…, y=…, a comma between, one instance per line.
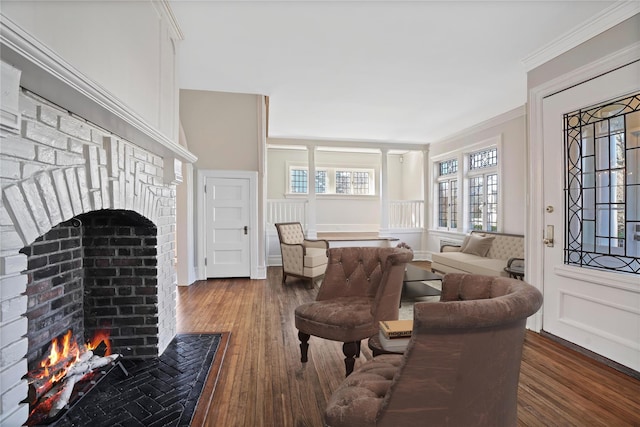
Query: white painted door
x=597, y=309
x=226, y=225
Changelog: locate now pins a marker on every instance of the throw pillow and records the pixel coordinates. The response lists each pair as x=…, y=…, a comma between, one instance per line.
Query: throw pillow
x=478, y=245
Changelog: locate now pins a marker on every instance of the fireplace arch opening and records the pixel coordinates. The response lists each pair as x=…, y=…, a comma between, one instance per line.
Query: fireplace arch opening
x=95, y=272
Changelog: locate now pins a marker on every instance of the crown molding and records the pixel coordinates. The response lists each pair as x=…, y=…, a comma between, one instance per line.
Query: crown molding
x=597, y=24
x=61, y=83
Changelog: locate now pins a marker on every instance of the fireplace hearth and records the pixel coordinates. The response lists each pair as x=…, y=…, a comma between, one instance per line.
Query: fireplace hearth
x=157, y=392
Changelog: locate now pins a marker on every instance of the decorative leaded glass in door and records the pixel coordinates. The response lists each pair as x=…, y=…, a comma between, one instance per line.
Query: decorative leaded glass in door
x=602, y=185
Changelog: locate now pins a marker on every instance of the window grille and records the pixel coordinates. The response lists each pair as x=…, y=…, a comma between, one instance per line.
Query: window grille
x=448, y=167
x=343, y=182
x=299, y=181
x=483, y=159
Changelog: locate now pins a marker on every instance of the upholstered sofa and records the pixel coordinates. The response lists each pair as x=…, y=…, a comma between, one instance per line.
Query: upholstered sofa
x=482, y=252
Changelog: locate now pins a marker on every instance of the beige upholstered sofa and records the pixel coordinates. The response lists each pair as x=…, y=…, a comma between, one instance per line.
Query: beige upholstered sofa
x=482, y=252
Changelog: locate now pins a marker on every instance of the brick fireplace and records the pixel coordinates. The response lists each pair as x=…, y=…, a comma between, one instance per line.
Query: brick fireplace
x=87, y=223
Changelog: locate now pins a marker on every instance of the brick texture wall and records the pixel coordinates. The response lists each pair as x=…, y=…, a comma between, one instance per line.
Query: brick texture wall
x=54, y=288
x=55, y=166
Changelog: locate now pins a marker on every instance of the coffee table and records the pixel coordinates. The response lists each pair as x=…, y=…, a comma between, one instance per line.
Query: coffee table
x=412, y=284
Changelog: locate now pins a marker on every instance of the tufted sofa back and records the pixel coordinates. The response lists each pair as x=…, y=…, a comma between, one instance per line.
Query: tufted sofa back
x=504, y=246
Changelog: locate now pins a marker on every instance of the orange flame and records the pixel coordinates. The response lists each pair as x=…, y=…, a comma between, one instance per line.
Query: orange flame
x=65, y=351
x=100, y=336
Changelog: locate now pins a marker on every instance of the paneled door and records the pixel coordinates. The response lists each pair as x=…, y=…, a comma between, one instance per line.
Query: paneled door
x=226, y=225
x=592, y=215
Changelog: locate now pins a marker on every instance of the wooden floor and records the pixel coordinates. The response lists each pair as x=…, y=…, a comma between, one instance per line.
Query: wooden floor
x=263, y=382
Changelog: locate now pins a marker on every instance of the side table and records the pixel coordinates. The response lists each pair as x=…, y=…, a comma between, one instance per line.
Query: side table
x=376, y=347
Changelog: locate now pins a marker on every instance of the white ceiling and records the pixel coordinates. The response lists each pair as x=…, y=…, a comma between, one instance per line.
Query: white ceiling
x=391, y=71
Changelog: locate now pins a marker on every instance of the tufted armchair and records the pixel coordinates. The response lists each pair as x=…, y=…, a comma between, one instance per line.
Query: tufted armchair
x=301, y=257
x=362, y=285
x=461, y=366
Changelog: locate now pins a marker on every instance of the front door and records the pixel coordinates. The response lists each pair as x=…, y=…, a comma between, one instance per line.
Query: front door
x=592, y=216
x=226, y=225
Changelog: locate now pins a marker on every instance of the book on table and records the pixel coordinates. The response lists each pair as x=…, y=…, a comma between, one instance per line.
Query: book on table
x=395, y=344
x=394, y=329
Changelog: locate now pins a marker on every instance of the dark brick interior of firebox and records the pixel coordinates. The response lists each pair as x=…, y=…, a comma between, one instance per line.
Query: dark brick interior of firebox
x=97, y=271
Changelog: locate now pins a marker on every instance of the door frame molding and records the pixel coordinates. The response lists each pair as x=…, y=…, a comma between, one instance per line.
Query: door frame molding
x=252, y=176
x=534, y=248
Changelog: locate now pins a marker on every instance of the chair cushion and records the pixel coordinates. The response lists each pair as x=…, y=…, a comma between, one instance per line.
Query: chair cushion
x=315, y=257
x=342, y=319
x=357, y=400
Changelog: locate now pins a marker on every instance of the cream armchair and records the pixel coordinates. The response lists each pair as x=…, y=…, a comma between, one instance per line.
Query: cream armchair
x=301, y=257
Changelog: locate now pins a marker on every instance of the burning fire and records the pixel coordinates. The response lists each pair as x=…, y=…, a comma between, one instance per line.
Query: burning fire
x=64, y=353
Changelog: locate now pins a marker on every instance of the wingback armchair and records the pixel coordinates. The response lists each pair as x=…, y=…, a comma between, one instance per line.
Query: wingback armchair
x=461, y=366
x=361, y=286
x=301, y=257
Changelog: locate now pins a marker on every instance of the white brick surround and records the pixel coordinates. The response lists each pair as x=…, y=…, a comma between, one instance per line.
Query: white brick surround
x=54, y=166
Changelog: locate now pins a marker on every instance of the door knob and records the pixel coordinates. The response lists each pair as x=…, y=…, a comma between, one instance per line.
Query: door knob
x=246, y=229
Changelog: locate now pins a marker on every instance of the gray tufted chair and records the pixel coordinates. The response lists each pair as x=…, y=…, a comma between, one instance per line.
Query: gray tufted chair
x=361, y=286
x=301, y=257
x=461, y=366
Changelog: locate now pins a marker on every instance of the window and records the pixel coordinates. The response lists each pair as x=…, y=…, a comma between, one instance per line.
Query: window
x=483, y=190
x=466, y=185
x=448, y=194
x=602, y=187
x=298, y=181
x=342, y=181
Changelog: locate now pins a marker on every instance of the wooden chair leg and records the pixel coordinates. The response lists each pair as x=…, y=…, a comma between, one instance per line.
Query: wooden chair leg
x=284, y=276
x=349, y=349
x=304, y=346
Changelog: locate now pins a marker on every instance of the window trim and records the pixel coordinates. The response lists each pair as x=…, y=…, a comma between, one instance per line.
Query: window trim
x=463, y=176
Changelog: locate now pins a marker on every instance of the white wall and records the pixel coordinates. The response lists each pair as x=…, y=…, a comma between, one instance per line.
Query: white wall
x=127, y=47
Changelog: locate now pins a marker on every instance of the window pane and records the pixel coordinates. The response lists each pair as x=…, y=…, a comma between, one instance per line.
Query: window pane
x=483, y=159
x=448, y=167
x=360, y=182
x=492, y=203
x=321, y=182
x=476, y=195
x=453, y=211
x=298, y=180
x=443, y=203
x=343, y=182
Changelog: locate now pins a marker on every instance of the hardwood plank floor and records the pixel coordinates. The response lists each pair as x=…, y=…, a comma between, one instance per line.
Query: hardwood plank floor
x=263, y=382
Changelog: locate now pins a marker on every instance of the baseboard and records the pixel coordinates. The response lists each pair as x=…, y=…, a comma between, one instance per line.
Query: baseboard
x=592, y=355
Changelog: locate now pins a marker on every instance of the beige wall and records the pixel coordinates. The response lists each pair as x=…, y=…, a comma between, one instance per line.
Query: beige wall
x=512, y=161
x=222, y=129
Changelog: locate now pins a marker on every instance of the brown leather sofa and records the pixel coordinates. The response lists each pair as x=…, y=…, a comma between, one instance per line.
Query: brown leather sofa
x=361, y=286
x=461, y=366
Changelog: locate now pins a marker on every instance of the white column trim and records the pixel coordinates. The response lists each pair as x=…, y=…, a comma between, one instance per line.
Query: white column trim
x=384, y=193
x=312, y=217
